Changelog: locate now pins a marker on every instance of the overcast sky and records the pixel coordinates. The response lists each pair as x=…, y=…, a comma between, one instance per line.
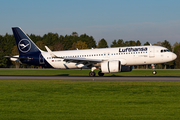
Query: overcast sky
x=144, y=20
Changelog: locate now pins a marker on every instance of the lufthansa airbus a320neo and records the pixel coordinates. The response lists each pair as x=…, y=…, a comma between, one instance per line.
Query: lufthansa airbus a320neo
x=107, y=60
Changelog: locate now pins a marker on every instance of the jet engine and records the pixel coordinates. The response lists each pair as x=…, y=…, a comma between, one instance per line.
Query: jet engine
x=111, y=66
x=114, y=66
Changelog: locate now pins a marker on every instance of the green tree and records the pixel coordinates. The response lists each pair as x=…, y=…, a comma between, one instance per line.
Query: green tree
x=35, y=38
x=58, y=46
x=67, y=43
x=167, y=45
x=7, y=44
x=138, y=43
x=147, y=43
x=41, y=45
x=114, y=44
x=91, y=43
x=74, y=34
x=50, y=39
x=14, y=51
x=132, y=43
x=102, y=43
x=3, y=60
x=119, y=43
x=79, y=45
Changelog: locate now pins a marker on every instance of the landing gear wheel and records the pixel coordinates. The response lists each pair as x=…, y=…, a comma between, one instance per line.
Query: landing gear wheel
x=92, y=74
x=154, y=72
x=100, y=73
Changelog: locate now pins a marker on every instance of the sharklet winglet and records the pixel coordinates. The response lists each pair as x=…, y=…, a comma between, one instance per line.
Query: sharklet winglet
x=50, y=52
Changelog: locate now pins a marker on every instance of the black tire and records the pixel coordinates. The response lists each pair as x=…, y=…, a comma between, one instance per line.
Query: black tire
x=154, y=72
x=100, y=73
x=92, y=74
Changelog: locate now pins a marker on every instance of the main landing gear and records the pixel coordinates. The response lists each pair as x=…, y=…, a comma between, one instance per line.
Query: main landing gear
x=153, y=67
x=100, y=73
x=92, y=73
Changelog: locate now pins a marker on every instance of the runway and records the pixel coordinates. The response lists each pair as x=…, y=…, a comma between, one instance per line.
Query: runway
x=85, y=78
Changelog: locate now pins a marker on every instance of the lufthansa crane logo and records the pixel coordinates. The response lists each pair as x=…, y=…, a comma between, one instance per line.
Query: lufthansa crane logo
x=24, y=45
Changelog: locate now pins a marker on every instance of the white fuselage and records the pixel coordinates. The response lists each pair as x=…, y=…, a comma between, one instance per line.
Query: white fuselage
x=138, y=55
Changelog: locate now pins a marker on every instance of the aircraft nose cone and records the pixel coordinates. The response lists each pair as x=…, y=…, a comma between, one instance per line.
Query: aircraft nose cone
x=174, y=56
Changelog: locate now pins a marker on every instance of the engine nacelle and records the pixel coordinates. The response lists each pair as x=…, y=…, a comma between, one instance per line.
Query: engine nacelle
x=111, y=66
x=114, y=66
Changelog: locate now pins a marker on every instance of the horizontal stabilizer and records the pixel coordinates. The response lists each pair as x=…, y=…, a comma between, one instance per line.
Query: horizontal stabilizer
x=16, y=58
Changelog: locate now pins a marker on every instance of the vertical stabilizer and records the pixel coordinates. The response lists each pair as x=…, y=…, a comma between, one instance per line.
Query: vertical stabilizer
x=24, y=44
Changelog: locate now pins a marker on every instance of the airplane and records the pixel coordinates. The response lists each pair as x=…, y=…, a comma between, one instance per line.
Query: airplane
x=107, y=60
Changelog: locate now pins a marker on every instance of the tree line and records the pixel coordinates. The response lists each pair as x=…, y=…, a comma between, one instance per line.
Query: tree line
x=71, y=42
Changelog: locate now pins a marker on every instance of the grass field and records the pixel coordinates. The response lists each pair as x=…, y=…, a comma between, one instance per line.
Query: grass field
x=55, y=99
x=133, y=100
x=59, y=72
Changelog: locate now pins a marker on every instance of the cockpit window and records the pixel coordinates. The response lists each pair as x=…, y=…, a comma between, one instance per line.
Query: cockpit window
x=165, y=50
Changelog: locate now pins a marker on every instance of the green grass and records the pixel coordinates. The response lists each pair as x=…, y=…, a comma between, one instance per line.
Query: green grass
x=133, y=100
x=58, y=72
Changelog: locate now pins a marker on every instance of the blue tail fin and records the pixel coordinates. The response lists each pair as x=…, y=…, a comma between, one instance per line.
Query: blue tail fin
x=24, y=44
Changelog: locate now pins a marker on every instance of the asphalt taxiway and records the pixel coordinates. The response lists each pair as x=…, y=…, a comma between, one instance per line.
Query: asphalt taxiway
x=86, y=78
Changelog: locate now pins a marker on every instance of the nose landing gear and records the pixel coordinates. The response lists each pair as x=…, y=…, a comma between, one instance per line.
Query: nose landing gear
x=153, y=67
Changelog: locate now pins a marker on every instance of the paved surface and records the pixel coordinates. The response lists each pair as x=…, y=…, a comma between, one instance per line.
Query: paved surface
x=85, y=78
